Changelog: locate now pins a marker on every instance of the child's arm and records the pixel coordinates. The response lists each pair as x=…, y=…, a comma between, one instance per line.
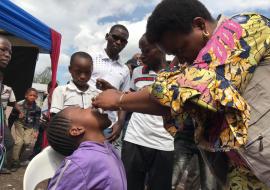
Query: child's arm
x=118, y=126
x=57, y=99
x=37, y=118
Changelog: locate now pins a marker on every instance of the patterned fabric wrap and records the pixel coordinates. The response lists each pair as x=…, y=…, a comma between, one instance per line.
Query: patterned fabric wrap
x=241, y=178
x=216, y=79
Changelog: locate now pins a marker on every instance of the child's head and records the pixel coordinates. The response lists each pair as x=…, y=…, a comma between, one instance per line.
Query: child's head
x=49, y=87
x=151, y=55
x=73, y=125
x=31, y=95
x=132, y=64
x=80, y=68
x=5, y=52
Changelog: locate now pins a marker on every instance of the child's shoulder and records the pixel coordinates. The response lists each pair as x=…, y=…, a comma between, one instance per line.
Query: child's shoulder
x=20, y=102
x=60, y=88
x=90, y=153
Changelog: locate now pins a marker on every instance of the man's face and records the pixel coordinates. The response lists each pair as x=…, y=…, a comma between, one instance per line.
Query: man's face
x=5, y=52
x=151, y=55
x=117, y=40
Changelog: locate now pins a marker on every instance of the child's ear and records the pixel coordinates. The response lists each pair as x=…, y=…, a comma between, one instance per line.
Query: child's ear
x=69, y=68
x=76, y=130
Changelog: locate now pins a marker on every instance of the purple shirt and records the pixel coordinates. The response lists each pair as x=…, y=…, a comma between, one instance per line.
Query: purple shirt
x=93, y=166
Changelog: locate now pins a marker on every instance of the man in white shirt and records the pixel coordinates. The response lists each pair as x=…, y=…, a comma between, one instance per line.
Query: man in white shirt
x=147, y=147
x=108, y=68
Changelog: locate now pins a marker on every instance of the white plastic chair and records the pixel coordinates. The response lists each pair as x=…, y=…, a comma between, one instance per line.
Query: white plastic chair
x=42, y=167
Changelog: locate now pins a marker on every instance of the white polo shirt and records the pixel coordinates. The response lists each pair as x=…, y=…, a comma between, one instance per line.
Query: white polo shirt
x=144, y=129
x=7, y=95
x=70, y=95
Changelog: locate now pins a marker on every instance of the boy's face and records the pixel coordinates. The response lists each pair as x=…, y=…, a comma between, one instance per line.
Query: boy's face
x=5, y=52
x=84, y=120
x=31, y=96
x=81, y=70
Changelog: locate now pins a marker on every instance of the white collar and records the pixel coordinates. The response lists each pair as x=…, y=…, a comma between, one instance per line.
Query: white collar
x=151, y=72
x=71, y=86
x=104, y=56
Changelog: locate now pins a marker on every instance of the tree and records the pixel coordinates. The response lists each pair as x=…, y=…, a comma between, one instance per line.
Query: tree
x=44, y=77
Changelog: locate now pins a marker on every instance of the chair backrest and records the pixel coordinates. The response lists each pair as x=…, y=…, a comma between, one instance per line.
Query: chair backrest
x=42, y=167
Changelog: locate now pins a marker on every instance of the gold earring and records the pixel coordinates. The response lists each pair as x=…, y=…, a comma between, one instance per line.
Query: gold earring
x=205, y=35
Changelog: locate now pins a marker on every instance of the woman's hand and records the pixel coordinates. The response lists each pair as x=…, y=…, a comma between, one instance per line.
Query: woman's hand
x=107, y=100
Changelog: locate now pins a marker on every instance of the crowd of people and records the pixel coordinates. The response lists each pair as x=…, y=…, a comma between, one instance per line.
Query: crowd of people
x=199, y=121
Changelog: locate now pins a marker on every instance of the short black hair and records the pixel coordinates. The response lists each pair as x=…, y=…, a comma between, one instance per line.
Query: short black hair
x=132, y=62
x=58, y=137
x=50, y=84
x=174, y=15
x=80, y=54
x=31, y=90
x=118, y=26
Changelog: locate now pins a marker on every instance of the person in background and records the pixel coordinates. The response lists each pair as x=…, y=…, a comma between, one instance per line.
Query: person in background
x=5, y=57
x=132, y=64
x=91, y=162
x=110, y=72
x=43, y=121
x=26, y=127
x=147, y=151
x=7, y=99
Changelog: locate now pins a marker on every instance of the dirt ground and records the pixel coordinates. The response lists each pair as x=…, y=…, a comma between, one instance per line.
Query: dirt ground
x=14, y=181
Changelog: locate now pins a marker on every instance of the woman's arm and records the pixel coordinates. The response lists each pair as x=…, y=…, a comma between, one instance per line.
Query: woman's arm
x=140, y=101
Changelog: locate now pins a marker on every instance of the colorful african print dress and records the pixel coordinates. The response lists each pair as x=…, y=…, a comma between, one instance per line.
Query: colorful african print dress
x=215, y=81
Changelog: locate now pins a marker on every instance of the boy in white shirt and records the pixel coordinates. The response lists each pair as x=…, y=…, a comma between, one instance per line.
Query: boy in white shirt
x=77, y=92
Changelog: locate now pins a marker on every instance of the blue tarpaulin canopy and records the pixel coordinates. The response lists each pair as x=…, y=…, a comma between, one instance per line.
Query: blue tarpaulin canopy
x=21, y=24
x=26, y=32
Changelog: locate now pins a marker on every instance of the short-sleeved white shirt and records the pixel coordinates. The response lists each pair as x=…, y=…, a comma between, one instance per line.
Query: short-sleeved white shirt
x=7, y=95
x=113, y=71
x=110, y=70
x=144, y=129
x=69, y=95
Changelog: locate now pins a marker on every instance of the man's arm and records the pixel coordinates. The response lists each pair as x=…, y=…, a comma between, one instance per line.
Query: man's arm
x=118, y=126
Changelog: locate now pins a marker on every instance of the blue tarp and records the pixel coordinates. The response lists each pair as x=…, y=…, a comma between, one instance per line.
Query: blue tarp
x=21, y=24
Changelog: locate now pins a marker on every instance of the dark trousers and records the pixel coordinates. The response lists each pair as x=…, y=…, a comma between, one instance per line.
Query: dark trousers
x=8, y=143
x=199, y=176
x=38, y=144
x=147, y=166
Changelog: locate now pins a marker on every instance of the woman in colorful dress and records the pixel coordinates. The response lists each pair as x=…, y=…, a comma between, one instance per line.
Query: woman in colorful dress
x=221, y=57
